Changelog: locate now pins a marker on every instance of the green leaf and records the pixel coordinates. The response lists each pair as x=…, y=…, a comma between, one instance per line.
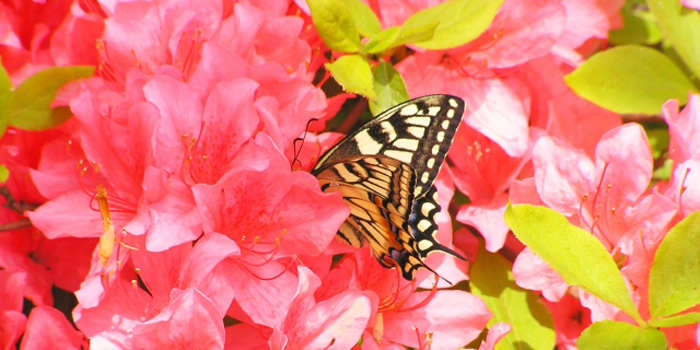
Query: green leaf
x=353, y=73
x=676, y=320
x=630, y=79
x=639, y=28
x=32, y=98
x=335, y=24
x=389, y=86
x=620, y=335
x=4, y=173
x=413, y=34
x=5, y=99
x=382, y=40
x=456, y=22
x=580, y=258
x=397, y=36
x=532, y=325
x=674, y=279
x=681, y=27
x=366, y=21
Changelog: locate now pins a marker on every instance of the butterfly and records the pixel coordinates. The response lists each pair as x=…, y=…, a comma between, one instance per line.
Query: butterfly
x=385, y=172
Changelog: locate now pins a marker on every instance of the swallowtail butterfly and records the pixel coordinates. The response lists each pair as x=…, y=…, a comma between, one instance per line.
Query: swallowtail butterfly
x=385, y=171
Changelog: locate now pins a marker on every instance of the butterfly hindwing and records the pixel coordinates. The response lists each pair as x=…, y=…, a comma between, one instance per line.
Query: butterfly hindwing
x=385, y=172
x=378, y=191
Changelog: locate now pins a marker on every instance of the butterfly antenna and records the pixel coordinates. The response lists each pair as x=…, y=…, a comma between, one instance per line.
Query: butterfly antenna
x=297, y=152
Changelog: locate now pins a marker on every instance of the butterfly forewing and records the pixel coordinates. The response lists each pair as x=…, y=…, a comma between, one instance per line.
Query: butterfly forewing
x=418, y=132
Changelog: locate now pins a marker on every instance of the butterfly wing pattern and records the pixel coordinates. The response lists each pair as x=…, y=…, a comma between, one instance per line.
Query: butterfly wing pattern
x=385, y=172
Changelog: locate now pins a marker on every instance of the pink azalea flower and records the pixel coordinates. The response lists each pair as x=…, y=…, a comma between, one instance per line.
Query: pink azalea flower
x=520, y=32
x=497, y=332
x=570, y=319
x=531, y=272
x=272, y=213
x=684, y=150
x=26, y=34
x=335, y=322
x=176, y=284
x=441, y=319
x=691, y=3
x=63, y=262
x=607, y=195
x=190, y=320
x=48, y=328
x=12, y=284
x=490, y=102
x=586, y=21
x=473, y=156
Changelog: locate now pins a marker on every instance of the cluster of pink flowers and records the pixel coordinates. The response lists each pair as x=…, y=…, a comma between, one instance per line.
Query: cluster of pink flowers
x=189, y=124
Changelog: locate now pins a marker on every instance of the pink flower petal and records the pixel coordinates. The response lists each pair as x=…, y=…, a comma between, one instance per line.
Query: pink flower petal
x=563, y=175
x=520, y=32
x=454, y=317
x=48, y=328
x=173, y=216
x=531, y=272
x=497, y=332
x=190, y=320
x=488, y=220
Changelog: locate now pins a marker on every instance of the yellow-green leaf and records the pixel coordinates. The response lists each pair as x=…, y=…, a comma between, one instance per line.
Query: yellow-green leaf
x=354, y=74
x=366, y=21
x=382, y=40
x=620, y=336
x=676, y=320
x=674, y=279
x=630, y=79
x=4, y=173
x=32, y=99
x=681, y=27
x=335, y=24
x=456, y=22
x=5, y=99
x=580, y=258
x=389, y=87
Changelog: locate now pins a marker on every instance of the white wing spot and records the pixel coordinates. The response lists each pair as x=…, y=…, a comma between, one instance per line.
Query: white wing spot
x=440, y=136
x=409, y=144
x=422, y=121
x=424, y=225
x=411, y=109
x=451, y=113
x=424, y=178
x=389, y=130
x=404, y=156
x=426, y=208
x=416, y=131
x=445, y=124
x=424, y=245
x=453, y=103
x=366, y=144
x=431, y=163
x=433, y=111
x=435, y=150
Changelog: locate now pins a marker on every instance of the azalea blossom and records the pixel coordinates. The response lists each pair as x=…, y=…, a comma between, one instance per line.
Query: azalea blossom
x=176, y=207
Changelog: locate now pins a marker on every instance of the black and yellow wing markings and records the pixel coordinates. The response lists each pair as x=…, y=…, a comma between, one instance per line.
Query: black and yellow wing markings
x=385, y=172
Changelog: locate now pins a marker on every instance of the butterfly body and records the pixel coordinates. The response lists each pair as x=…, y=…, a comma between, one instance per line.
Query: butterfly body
x=385, y=172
